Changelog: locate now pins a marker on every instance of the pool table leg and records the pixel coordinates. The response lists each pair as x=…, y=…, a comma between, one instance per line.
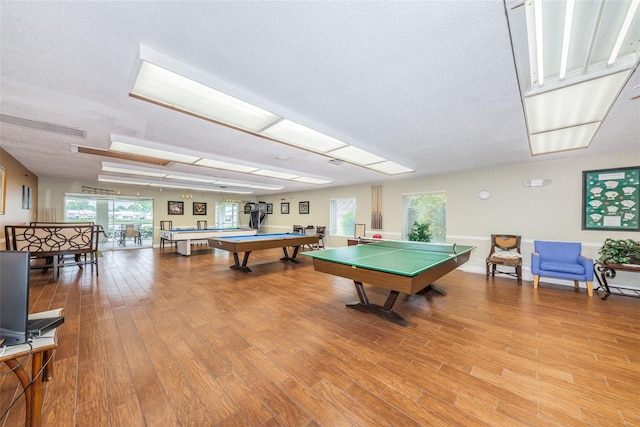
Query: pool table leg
x=237, y=265
x=292, y=258
x=431, y=287
x=386, y=311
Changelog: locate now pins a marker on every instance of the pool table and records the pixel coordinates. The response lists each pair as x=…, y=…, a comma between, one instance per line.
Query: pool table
x=185, y=237
x=247, y=244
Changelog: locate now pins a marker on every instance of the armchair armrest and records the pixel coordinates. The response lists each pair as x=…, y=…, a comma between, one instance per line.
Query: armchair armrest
x=587, y=263
x=535, y=262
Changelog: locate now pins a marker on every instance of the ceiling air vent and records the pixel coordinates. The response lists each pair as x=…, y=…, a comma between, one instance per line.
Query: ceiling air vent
x=336, y=161
x=43, y=126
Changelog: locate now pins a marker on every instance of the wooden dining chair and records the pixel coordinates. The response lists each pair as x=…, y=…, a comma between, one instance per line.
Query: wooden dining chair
x=166, y=225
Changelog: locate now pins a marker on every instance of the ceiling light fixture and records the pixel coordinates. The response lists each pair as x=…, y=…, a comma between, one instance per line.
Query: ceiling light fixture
x=355, y=155
x=537, y=5
x=140, y=147
x=567, y=95
x=165, y=81
x=633, y=8
x=568, y=20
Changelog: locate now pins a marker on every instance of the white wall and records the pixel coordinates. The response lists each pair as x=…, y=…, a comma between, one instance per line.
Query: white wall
x=542, y=213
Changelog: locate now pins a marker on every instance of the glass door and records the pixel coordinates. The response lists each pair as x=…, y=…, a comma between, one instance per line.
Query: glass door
x=127, y=222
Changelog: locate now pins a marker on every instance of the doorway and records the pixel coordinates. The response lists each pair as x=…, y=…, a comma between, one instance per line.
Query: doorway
x=127, y=222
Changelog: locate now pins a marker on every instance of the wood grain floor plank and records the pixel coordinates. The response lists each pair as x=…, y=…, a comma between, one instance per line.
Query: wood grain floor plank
x=159, y=339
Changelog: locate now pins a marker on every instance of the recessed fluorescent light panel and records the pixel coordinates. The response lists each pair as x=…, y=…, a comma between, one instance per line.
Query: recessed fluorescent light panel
x=123, y=147
x=190, y=178
x=165, y=81
x=274, y=174
x=568, y=92
x=216, y=164
x=303, y=137
x=573, y=105
x=267, y=187
x=563, y=139
x=390, y=168
x=171, y=89
x=356, y=155
x=130, y=170
x=316, y=181
x=114, y=179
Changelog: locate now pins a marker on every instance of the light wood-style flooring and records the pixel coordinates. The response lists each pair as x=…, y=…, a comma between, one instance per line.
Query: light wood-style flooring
x=159, y=339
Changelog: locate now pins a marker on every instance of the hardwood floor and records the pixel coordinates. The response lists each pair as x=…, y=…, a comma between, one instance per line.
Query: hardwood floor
x=165, y=340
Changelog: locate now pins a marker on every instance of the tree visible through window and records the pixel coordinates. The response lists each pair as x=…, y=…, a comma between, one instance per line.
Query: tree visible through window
x=426, y=208
x=343, y=217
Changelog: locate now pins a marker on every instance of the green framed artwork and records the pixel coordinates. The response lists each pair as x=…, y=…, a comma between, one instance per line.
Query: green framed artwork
x=610, y=199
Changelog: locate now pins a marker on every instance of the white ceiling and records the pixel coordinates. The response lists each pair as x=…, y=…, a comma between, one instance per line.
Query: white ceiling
x=427, y=84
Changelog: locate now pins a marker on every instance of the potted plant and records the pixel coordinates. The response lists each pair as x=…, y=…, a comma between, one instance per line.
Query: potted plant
x=623, y=251
x=421, y=232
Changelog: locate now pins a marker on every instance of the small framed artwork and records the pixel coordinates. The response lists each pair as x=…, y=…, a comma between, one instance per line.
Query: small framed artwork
x=359, y=231
x=303, y=207
x=269, y=208
x=284, y=208
x=199, y=208
x=175, y=208
x=611, y=199
x=27, y=199
x=248, y=207
x=3, y=189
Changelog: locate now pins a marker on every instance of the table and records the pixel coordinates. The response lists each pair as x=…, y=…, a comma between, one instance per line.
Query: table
x=184, y=237
x=247, y=244
x=41, y=351
x=407, y=267
x=604, y=271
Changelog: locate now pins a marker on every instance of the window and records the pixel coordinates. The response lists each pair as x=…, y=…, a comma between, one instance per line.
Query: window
x=343, y=217
x=422, y=208
x=226, y=215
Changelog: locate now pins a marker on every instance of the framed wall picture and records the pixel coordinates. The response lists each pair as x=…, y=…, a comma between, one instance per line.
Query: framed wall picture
x=199, y=208
x=269, y=208
x=303, y=207
x=284, y=208
x=27, y=199
x=610, y=199
x=175, y=208
x=359, y=231
x=3, y=188
x=248, y=207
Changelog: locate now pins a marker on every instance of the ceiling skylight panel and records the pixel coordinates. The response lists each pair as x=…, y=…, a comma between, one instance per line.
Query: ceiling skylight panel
x=356, y=155
x=563, y=139
x=139, y=150
x=274, y=174
x=217, y=164
x=302, y=136
x=390, y=168
x=308, y=180
x=163, y=86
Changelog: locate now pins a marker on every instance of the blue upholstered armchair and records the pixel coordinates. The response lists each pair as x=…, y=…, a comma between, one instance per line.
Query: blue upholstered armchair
x=561, y=260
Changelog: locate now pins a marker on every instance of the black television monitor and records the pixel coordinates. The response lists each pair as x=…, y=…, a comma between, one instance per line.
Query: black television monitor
x=14, y=297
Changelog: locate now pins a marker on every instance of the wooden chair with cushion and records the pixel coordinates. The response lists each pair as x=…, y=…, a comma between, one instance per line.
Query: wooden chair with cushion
x=166, y=225
x=505, y=251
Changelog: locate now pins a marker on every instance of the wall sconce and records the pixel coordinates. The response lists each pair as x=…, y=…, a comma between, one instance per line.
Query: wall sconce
x=537, y=183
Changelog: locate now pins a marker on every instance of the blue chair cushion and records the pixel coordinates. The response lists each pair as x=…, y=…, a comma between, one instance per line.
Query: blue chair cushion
x=562, y=267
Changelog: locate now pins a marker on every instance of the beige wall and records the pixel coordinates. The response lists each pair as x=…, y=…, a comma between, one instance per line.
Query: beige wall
x=544, y=213
x=17, y=176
